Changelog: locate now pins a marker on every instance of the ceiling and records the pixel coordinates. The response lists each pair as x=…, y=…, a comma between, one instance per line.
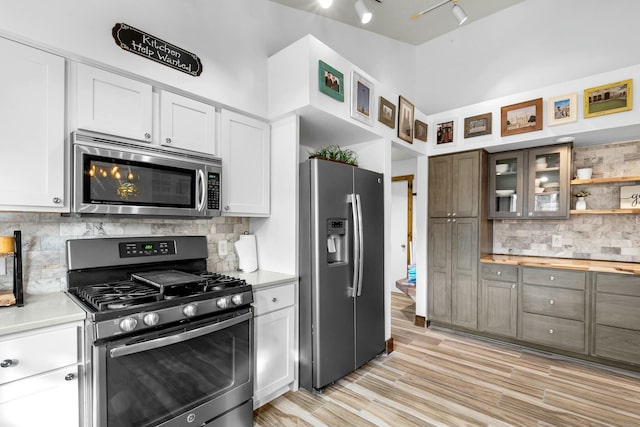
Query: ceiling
x=392, y=18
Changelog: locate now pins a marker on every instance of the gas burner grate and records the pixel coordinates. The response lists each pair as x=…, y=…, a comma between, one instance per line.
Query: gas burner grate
x=118, y=295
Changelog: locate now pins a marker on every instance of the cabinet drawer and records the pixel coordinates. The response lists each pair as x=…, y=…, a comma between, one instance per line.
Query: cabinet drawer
x=37, y=353
x=270, y=299
x=558, y=302
x=621, y=284
x=618, y=310
x=554, y=277
x=617, y=344
x=499, y=272
x=555, y=332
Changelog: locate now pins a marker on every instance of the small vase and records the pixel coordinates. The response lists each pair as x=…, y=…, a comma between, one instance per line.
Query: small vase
x=581, y=204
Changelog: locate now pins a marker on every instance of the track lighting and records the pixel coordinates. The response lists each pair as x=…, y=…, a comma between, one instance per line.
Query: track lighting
x=325, y=4
x=363, y=12
x=456, y=11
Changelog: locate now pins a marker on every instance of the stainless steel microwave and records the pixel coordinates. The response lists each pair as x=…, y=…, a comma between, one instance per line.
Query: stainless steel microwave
x=115, y=176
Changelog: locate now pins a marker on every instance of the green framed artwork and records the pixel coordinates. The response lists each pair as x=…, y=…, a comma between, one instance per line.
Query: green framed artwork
x=330, y=81
x=608, y=99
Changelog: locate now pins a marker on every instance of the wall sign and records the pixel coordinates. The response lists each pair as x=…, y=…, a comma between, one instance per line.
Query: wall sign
x=143, y=44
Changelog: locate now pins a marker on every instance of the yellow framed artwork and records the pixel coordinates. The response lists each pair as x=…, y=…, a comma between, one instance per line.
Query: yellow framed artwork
x=608, y=99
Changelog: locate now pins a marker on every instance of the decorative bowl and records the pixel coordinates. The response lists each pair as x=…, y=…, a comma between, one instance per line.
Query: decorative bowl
x=502, y=168
x=540, y=165
x=584, y=173
x=504, y=193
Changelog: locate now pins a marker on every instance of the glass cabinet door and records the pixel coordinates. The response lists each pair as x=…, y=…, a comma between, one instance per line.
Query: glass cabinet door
x=548, y=184
x=506, y=177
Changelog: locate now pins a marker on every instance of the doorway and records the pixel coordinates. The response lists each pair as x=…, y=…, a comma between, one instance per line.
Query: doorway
x=401, y=230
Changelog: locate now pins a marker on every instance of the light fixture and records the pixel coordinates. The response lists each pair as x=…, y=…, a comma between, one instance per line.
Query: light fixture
x=456, y=10
x=363, y=12
x=325, y=4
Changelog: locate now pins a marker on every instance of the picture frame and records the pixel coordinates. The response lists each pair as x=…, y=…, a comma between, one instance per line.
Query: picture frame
x=330, y=81
x=521, y=117
x=630, y=197
x=445, y=132
x=562, y=109
x=386, y=112
x=421, y=129
x=362, y=99
x=405, y=120
x=608, y=99
x=478, y=125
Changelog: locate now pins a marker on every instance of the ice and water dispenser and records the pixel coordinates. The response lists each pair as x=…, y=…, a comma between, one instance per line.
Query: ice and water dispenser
x=337, y=241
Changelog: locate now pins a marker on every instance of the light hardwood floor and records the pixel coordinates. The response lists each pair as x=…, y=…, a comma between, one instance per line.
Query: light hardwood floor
x=443, y=379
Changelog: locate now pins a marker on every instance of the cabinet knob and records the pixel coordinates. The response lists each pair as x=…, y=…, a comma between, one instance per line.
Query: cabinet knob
x=530, y=213
x=57, y=200
x=226, y=208
x=550, y=331
x=448, y=220
x=6, y=363
x=69, y=377
x=518, y=214
x=499, y=273
x=552, y=278
x=453, y=220
x=147, y=135
x=448, y=213
x=453, y=214
x=551, y=302
x=274, y=299
x=513, y=286
x=168, y=140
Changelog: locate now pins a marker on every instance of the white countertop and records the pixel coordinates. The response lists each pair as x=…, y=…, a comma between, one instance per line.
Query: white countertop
x=39, y=311
x=263, y=278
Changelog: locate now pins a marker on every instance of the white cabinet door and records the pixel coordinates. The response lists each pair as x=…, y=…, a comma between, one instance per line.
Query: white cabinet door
x=31, y=129
x=186, y=123
x=50, y=399
x=246, y=165
x=274, y=341
x=114, y=104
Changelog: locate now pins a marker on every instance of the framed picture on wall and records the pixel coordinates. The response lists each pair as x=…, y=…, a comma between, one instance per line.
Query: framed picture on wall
x=405, y=120
x=386, y=112
x=361, y=99
x=522, y=117
x=562, y=109
x=445, y=132
x=421, y=131
x=477, y=125
x=330, y=81
x=608, y=99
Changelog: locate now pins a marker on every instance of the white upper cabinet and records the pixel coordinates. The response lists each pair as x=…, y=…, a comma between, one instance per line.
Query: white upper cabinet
x=186, y=123
x=113, y=104
x=31, y=129
x=246, y=146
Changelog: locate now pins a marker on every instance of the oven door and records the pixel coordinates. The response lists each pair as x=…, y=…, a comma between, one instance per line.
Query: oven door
x=183, y=376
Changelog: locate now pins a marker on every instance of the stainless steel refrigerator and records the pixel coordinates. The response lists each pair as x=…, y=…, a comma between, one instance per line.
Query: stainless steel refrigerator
x=341, y=270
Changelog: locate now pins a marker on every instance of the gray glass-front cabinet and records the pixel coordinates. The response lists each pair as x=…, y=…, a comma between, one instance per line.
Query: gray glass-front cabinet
x=531, y=183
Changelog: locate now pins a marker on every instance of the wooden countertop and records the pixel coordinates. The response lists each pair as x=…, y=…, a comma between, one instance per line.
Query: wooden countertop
x=564, y=263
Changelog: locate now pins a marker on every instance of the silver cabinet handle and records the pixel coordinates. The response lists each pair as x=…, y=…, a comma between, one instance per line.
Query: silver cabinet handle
x=453, y=220
x=147, y=135
x=513, y=286
x=499, y=273
x=274, y=299
x=6, y=363
x=69, y=377
x=552, y=278
x=454, y=214
x=226, y=208
x=57, y=200
x=551, y=302
x=168, y=140
x=550, y=331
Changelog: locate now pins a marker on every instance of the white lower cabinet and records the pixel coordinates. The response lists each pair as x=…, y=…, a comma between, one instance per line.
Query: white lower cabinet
x=275, y=347
x=40, y=377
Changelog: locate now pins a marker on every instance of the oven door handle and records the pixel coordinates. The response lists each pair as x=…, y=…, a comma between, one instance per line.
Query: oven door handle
x=174, y=339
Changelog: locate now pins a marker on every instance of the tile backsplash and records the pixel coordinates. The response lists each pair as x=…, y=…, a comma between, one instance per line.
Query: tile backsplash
x=598, y=237
x=44, y=237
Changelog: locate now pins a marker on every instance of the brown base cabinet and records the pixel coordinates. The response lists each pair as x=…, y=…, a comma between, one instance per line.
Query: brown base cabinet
x=499, y=300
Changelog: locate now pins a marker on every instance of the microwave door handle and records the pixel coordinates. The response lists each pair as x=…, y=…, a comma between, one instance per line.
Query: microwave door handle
x=174, y=339
x=202, y=196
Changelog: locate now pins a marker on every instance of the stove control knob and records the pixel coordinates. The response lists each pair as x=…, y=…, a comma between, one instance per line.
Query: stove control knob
x=237, y=299
x=151, y=319
x=190, y=310
x=128, y=324
x=223, y=302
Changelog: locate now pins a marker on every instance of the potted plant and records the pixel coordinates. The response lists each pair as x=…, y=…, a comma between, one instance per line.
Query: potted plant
x=581, y=203
x=336, y=154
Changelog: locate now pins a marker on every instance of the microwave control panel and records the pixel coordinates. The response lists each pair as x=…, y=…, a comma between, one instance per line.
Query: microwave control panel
x=213, y=190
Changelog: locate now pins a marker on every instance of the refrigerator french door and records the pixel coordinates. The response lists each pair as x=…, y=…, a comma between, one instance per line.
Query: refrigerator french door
x=342, y=270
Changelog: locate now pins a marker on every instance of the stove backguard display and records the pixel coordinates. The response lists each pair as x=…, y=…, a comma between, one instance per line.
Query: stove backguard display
x=137, y=249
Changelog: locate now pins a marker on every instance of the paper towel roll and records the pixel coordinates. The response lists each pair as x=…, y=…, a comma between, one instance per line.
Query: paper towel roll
x=247, y=253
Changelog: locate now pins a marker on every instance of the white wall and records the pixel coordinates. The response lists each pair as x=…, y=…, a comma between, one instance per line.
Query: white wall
x=533, y=44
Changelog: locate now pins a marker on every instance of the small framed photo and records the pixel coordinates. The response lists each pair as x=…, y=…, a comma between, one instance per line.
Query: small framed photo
x=421, y=130
x=361, y=99
x=445, y=132
x=562, y=109
x=522, y=117
x=630, y=197
x=405, y=120
x=608, y=99
x=477, y=125
x=386, y=112
x=330, y=81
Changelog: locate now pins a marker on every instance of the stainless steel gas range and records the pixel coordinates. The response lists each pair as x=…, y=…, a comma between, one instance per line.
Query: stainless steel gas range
x=168, y=342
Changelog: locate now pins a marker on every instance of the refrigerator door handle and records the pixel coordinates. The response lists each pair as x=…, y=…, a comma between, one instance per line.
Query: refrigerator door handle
x=361, y=245
x=356, y=243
